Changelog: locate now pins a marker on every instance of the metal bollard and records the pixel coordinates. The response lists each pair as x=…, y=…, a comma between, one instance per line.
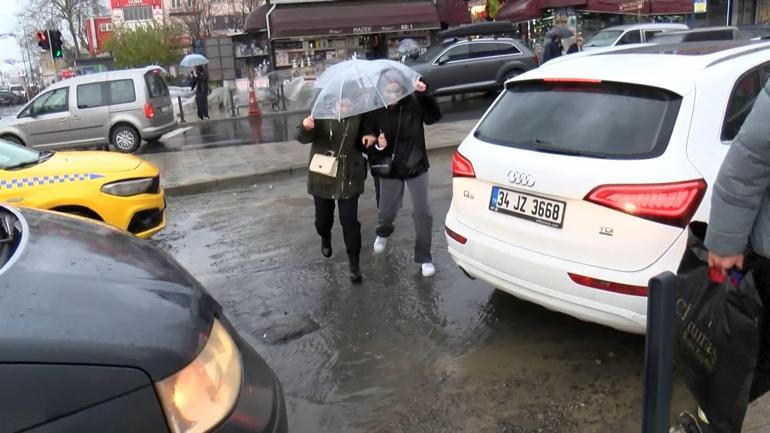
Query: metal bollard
x=659, y=353
x=232, y=101
x=181, y=109
x=283, y=98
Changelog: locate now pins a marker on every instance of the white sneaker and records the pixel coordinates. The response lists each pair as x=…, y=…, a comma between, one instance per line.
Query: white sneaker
x=380, y=244
x=428, y=270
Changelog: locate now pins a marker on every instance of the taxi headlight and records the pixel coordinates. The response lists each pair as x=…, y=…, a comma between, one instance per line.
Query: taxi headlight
x=127, y=188
x=202, y=394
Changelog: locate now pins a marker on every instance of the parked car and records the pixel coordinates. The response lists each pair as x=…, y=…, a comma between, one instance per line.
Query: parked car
x=19, y=94
x=577, y=185
x=121, y=190
x=698, y=35
x=629, y=34
x=6, y=98
x=754, y=31
x=473, y=65
x=117, y=107
x=103, y=332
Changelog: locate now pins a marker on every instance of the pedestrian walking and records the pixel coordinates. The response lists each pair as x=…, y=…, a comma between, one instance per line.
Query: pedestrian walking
x=341, y=139
x=738, y=236
x=395, y=142
x=553, y=49
x=200, y=84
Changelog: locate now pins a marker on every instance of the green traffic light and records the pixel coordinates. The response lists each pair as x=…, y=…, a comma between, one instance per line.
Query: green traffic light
x=58, y=54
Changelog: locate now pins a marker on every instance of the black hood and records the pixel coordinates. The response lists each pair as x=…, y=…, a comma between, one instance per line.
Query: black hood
x=81, y=293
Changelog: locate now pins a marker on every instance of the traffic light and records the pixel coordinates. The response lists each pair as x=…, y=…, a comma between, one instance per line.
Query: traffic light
x=56, y=44
x=42, y=41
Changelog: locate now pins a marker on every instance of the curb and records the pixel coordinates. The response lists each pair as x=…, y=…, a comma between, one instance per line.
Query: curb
x=245, y=180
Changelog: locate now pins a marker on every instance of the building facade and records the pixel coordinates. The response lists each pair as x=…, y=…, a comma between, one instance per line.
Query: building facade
x=136, y=12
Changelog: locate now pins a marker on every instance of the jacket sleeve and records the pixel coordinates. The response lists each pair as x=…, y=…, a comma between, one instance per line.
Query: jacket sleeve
x=741, y=183
x=431, y=111
x=369, y=123
x=304, y=136
x=194, y=83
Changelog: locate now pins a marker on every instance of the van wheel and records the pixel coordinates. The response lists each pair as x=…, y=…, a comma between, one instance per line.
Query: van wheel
x=13, y=140
x=125, y=139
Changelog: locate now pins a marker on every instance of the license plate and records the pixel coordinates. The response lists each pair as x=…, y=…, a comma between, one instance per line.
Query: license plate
x=528, y=206
x=165, y=109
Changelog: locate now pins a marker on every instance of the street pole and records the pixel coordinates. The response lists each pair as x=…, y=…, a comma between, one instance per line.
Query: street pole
x=53, y=59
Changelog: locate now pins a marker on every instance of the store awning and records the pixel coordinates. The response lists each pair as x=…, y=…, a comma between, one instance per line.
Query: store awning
x=671, y=7
x=517, y=11
x=546, y=4
x=351, y=18
x=618, y=6
x=257, y=21
x=453, y=12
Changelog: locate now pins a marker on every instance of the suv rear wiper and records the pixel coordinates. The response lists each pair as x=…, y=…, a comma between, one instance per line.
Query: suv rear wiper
x=548, y=147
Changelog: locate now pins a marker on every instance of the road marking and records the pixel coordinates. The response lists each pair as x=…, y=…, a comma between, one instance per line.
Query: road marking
x=176, y=132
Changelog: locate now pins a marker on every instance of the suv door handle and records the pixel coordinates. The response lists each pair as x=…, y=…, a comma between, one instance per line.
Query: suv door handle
x=75, y=118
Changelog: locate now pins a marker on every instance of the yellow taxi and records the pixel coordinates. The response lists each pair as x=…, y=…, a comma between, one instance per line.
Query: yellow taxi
x=121, y=190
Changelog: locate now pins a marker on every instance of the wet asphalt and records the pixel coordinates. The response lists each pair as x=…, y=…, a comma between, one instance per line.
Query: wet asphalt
x=276, y=127
x=398, y=353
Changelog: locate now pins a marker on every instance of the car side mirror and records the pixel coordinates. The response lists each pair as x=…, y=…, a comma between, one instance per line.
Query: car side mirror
x=443, y=60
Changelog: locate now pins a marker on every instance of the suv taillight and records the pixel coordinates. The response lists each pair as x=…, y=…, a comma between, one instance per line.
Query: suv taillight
x=461, y=167
x=149, y=111
x=667, y=203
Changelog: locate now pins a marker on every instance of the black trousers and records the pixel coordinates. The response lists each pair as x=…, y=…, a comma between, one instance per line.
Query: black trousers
x=202, y=101
x=351, y=228
x=761, y=384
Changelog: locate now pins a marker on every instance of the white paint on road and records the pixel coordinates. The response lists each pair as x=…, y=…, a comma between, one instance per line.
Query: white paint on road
x=176, y=132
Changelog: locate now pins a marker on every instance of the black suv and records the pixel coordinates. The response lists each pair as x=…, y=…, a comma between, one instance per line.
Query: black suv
x=471, y=65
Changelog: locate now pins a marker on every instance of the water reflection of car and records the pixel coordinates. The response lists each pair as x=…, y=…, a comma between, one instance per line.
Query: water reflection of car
x=121, y=190
x=578, y=214
x=629, y=34
x=474, y=64
x=103, y=332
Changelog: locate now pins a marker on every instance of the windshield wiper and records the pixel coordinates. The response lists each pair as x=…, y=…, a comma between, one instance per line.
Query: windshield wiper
x=42, y=157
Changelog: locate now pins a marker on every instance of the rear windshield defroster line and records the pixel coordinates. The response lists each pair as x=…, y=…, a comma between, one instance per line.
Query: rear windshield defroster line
x=602, y=119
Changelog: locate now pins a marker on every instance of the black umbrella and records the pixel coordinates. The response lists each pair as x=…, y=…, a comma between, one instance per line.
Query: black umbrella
x=561, y=32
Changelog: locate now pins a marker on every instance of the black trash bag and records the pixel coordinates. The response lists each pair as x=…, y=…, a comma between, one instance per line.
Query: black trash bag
x=717, y=335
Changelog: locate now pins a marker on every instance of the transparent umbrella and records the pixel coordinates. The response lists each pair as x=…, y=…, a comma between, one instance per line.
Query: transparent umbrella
x=408, y=47
x=358, y=86
x=193, y=60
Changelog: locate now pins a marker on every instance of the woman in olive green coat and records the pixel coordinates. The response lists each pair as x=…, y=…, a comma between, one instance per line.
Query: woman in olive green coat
x=343, y=137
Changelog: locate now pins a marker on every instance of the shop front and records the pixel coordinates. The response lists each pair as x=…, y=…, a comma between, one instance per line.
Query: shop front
x=306, y=34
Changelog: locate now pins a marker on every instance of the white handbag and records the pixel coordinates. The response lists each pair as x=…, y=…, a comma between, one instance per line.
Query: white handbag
x=326, y=164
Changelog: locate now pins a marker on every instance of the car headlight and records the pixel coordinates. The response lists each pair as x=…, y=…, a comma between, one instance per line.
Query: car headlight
x=202, y=394
x=126, y=188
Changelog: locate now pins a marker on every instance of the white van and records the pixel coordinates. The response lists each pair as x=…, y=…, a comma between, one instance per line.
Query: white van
x=629, y=34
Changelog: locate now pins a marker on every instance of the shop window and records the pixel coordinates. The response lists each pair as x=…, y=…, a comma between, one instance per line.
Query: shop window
x=741, y=101
x=632, y=37
x=456, y=53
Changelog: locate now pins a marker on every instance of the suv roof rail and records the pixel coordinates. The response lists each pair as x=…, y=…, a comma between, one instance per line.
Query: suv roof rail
x=746, y=52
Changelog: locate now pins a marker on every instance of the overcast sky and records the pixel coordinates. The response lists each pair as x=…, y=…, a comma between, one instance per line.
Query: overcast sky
x=9, y=23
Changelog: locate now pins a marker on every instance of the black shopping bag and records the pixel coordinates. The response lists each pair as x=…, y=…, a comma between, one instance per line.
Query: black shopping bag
x=717, y=335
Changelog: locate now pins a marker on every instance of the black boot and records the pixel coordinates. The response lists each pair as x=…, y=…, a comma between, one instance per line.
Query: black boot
x=326, y=247
x=355, y=270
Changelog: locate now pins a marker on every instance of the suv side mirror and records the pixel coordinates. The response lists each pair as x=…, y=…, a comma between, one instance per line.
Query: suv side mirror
x=443, y=59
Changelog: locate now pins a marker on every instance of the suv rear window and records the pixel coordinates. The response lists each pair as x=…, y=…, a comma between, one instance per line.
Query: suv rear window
x=156, y=85
x=604, y=120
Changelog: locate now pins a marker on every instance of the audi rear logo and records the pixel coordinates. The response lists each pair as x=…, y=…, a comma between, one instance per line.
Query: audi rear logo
x=521, y=179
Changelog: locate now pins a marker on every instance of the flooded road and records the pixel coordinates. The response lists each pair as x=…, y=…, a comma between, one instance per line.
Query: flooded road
x=398, y=353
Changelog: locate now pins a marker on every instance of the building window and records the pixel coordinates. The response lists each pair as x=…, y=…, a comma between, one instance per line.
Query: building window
x=222, y=22
x=139, y=13
x=105, y=27
x=175, y=4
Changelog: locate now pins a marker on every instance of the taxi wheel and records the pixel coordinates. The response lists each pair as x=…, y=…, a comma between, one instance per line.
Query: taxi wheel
x=126, y=139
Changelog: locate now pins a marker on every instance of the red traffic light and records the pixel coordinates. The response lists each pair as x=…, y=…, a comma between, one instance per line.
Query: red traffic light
x=41, y=37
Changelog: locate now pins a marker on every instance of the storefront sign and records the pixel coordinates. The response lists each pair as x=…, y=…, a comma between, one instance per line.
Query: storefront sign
x=699, y=6
x=120, y=4
x=631, y=6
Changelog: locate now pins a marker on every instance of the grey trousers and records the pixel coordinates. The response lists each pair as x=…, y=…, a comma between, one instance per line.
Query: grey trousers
x=391, y=199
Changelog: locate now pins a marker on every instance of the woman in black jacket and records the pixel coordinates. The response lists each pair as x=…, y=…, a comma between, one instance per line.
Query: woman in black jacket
x=200, y=84
x=395, y=143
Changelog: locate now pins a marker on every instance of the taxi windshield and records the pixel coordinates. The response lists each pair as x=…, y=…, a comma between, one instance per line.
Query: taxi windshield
x=12, y=155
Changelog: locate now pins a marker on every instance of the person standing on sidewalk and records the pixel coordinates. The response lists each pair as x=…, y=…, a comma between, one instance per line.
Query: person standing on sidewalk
x=200, y=84
x=738, y=233
x=396, y=133
x=341, y=138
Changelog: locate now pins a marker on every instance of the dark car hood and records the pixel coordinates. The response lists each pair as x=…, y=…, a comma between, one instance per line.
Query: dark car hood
x=82, y=293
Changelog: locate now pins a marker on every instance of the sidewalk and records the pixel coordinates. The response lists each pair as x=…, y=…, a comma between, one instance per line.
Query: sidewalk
x=198, y=171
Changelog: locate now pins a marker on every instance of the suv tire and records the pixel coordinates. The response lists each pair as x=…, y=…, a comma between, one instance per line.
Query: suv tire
x=511, y=74
x=13, y=140
x=126, y=139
